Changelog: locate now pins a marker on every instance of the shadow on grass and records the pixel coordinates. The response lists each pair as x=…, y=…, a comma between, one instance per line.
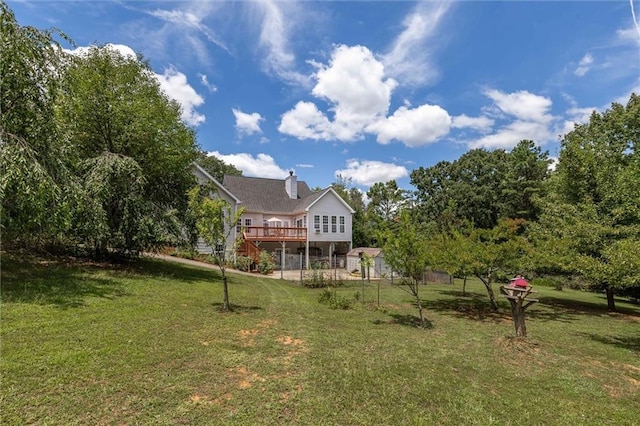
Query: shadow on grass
x=472, y=306
x=588, y=308
x=159, y=268
x=407, y=320
x=53, y=283
x=624, y=342
x=236, y=309
x=476, y=306
x=66, y=281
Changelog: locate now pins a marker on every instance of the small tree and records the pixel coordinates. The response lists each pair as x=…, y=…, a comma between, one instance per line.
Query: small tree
x=215, y=223
x=405, y=250
x=493, y=251
x=366, y=262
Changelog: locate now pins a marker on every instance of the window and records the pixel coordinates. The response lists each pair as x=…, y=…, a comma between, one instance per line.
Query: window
x=299, y=223
x=325, y=224
x=342, y=227
x=240, y=228
x=316, y=222
x=334, y=224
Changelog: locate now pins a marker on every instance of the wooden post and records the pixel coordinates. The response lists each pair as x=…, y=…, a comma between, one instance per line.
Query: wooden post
x=517, y=297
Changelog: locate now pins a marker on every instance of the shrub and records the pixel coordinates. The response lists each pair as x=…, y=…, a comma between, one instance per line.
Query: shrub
x=318, y=279
x=266, y=264
x=243, y=263
x=331, y=298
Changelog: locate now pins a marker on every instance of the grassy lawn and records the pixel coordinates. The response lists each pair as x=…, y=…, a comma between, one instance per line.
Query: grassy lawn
x=147, y=344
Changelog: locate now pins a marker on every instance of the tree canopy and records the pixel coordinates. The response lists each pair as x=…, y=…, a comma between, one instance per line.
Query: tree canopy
x=482, y=186
x=94, y=154
x=592, y=215
x=36, y=188
x=216, y=167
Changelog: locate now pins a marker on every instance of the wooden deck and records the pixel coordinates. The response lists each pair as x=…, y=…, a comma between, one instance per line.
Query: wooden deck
x=272, y=233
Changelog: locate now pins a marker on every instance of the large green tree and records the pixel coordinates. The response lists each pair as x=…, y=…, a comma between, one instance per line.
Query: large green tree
x=482, y=186
x=594, y=204
x=131, y=150
x=386, y=200
x=37, y=189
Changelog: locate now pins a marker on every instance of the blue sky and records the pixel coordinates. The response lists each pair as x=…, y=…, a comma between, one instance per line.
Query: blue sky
x=370, y=90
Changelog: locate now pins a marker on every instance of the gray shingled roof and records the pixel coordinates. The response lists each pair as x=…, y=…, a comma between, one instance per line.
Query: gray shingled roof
x=269, y=195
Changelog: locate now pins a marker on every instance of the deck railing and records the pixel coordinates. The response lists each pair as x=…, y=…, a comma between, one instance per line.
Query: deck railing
x=274, y=233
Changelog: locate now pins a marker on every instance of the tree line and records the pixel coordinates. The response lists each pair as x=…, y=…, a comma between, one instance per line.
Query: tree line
x=492, y=214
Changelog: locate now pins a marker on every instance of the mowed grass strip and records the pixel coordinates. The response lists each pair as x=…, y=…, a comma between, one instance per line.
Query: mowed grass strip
x=146, y=343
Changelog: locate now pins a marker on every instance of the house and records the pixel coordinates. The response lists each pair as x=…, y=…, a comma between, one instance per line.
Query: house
x=285, y=218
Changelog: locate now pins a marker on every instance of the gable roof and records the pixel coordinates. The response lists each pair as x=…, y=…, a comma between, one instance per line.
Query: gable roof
x=370, y=251
x=332, y=191
x=215, y=182
x=268, y=195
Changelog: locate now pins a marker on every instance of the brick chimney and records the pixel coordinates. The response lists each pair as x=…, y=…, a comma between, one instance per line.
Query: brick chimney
x=291, y=185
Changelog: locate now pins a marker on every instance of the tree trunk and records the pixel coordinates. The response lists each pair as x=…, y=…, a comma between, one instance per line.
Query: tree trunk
x=225, y=303
x=423, y=323
x=492, y=296
x=611, y=303
x=464, y=285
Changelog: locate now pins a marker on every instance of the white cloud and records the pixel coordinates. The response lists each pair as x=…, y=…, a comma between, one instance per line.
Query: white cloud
x=367, y=173
x=522, y=104
x=509, y=135
x=274, y=39
x=187, y=22
x=358, y=93
x=584, y=65
x=205, y=82
x=414, y=127
x=305, y=121
x=175, y=85
x=247, y=124
x=263, y=165
x=122, y=49
x=481, y=123
x=409, y=57
x=527, y=116
x=628, y=35
x=354, y=83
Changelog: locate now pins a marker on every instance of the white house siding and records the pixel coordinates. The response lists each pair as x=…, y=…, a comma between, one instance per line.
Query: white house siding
x=203, y=179
x=329, y=205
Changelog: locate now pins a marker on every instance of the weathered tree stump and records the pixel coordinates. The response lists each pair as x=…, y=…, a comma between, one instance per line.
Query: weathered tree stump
x=519, y=299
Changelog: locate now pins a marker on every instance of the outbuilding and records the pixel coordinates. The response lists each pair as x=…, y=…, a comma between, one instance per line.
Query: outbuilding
x=378, y=266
